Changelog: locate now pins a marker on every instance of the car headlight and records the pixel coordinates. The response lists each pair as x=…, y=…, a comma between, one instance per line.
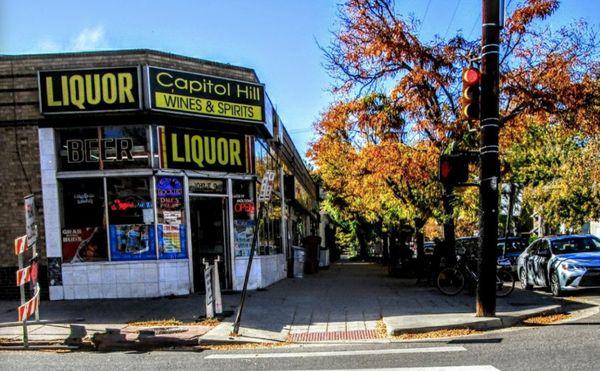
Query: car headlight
x=570, y=267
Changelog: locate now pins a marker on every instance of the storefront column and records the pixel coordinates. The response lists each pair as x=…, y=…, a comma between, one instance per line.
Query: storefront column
x=51, y=211
x=231, y=230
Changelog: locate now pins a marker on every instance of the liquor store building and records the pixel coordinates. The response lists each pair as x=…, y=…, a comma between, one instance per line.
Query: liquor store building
x=145, y=165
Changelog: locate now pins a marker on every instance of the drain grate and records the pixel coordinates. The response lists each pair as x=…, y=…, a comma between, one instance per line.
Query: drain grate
x=335, y=335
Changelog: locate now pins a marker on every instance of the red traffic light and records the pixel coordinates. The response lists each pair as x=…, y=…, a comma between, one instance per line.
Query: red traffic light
x=471, y=76
x=454, y=169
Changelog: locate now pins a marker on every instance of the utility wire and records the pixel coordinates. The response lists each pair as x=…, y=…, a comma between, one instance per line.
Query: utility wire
x=452, y=18
x=424, y=15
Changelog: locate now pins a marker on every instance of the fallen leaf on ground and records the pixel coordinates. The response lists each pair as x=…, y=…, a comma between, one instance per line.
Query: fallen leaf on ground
x=545, y=319
x=156, y=322
x=437, y=334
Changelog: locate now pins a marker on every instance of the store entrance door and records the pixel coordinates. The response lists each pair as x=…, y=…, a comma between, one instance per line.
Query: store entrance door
x=209, y=238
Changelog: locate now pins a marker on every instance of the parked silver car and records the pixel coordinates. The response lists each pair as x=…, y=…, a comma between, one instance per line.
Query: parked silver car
x=562, y=263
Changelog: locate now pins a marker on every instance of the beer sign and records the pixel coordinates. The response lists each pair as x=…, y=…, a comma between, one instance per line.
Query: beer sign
x=90, y=90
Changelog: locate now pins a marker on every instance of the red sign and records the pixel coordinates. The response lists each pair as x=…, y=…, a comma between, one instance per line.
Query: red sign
x=28, y=274
x=20, y=245
x=28, y=309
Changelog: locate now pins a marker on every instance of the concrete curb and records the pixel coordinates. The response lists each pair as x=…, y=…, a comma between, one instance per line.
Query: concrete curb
x=424, y=323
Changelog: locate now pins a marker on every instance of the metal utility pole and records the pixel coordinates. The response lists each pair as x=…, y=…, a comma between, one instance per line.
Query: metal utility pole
x=490, y=165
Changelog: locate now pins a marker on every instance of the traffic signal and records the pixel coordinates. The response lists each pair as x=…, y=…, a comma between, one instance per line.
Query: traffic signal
x=471, y=78
x=454, y=169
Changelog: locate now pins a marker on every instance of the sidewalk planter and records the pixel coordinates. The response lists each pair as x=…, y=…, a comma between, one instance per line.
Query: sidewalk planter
x=149, y=164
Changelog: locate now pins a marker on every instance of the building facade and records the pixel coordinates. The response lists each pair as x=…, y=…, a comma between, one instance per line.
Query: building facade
x=145, y=165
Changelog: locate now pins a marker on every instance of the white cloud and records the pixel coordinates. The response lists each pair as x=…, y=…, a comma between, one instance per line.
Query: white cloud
x=91, y=38
x=47, y=46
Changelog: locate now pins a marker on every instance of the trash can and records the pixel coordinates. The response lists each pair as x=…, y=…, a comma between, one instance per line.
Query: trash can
x=299, y=258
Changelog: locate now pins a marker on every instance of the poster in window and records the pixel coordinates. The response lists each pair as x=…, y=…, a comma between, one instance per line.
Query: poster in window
x=83, y=233
x=171, y=228
x=172, y=241
x=83, y=244
x=132, y=242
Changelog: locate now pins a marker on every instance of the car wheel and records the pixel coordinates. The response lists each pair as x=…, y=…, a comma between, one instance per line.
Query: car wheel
x=555, y=285
x=523, y=278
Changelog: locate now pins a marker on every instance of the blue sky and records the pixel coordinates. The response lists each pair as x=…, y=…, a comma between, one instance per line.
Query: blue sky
x=278, y=38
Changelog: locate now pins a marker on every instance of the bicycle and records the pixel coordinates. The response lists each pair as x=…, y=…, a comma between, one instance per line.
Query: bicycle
x=452, y=280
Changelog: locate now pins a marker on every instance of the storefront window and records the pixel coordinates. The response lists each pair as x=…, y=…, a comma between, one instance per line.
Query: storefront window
x=171, y=218
x=83, y=221
x=101, y=148
x=243, y=217
x=270, y=231
x=131, y=218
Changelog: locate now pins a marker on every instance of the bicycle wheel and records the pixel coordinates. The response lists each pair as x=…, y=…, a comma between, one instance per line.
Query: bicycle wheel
x=505, y=283
x=450, y=281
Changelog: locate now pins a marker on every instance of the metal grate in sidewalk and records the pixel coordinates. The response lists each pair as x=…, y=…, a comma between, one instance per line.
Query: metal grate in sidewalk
x=335, y=335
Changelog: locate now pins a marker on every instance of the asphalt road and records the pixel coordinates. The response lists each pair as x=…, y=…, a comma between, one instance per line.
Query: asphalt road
x=569, y=346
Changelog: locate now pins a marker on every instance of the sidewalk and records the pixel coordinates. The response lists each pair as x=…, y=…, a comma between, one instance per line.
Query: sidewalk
x=349, y=301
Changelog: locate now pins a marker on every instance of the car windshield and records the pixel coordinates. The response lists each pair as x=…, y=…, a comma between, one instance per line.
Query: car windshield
x=575, y=245
x=511, y=246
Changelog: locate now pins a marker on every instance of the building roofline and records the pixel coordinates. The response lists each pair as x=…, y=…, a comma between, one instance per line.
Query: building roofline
x=124, y=52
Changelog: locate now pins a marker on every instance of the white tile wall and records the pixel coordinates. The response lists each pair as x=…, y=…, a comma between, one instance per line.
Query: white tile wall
x=265, y=271
x=123, y=280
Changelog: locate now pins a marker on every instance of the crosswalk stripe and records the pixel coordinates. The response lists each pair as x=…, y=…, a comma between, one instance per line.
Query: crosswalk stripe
x=433, y=368
x=338, y=353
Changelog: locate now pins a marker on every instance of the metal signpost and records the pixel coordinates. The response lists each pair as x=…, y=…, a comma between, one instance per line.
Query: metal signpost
x=28, y=273
x=266, y=188
x=217, y=287
x=208, y=297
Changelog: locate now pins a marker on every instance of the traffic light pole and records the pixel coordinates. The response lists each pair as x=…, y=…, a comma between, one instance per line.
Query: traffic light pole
x=490, y=165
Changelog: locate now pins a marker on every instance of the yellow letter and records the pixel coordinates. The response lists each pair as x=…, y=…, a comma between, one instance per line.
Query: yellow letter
x=125, y=86
x=163, y=83
x=197, y=153
x=50, y=94
x=234, y=152
x=109, y=88
x=65, y=89
x=93, y=96
x=176, y=156
x=222, y=151
x=77, y=91
x=210, y=150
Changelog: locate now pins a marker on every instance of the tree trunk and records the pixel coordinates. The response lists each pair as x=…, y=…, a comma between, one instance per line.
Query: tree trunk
x=385, y=248
x=363, y=251
x=419, y=224
x=449, y=252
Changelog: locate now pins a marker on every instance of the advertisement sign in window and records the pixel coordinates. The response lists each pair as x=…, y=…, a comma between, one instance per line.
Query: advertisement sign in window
x=83, y=233
x=203, y=95
x=198, y=150
x=102, y=148
x=131, y=218
x=171, y=227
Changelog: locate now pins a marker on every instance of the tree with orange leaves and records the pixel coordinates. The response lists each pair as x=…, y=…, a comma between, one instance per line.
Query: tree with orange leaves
x=399, y=108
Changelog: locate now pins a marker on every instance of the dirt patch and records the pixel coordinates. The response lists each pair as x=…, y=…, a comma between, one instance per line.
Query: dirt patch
x=381, y=328
x=245, y=346
x=212, y=322
x=156, y=322
x=546, y=319
x=437, y=334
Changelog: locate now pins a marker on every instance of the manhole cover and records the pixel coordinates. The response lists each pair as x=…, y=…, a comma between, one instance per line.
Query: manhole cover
x=335, y=335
